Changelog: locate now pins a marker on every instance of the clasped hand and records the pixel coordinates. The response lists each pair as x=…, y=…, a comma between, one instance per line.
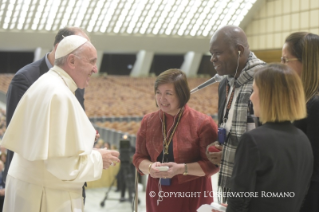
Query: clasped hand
x=174, y=169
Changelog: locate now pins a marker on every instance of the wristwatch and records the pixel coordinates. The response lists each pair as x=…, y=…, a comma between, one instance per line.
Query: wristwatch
x=185, y=171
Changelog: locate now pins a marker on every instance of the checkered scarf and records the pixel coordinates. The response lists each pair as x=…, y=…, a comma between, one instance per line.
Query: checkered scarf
x=239, y=122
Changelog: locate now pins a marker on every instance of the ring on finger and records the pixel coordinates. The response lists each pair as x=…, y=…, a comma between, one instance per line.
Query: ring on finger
x=112, y=164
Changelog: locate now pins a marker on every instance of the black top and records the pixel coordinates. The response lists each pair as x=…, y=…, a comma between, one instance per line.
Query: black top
x=276, y=158
x=310, y=126
x=169, y=157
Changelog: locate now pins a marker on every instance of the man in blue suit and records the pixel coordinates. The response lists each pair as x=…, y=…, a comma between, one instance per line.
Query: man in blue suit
x=27, y=75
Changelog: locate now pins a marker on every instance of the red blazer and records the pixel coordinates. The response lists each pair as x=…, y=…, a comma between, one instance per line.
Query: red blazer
x=194, y=132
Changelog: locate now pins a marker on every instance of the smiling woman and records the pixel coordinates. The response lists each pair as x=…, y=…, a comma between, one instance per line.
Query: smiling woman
x=175, y=136
x=172, y=91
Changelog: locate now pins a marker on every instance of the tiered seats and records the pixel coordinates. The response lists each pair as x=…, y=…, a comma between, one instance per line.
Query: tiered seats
x=116, y=96
x=2, y=122
x=5, y=80
x=128, y=127
x=127, y=96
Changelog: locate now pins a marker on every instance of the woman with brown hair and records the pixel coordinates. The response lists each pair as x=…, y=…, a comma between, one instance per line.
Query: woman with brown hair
x=301, y=53
x=273, y=163
x=175, y=136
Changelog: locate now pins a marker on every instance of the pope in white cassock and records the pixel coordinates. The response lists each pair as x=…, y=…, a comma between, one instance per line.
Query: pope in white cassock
x=53, y=138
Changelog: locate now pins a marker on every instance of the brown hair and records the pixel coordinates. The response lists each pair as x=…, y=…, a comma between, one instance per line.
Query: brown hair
x=178, y=78
x=305, y=47
x=281, y=94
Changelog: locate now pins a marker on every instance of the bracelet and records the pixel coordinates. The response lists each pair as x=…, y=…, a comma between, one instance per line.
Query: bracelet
x=185, y=169
x=149, y=168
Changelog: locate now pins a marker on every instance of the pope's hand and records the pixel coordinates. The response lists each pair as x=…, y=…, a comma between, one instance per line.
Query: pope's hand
x=110, y=157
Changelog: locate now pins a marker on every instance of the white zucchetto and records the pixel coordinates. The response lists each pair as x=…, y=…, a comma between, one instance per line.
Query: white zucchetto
x=68, y=45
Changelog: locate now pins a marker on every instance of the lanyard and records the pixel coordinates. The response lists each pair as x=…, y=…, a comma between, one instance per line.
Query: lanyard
x=230, y=101
x=167, y=142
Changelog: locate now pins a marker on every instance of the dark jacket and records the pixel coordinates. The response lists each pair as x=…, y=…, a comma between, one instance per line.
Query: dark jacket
x=276, y=161
x=310, y=126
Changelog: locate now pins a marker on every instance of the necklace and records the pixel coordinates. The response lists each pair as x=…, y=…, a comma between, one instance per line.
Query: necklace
x=170, y=137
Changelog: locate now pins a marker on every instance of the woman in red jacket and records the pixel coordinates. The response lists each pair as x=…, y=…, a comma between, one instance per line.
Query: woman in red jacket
x=175, y=136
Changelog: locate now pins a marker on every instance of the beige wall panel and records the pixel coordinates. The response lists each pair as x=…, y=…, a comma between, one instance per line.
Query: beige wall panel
x=286, y=6
x=304, y=5
x=314, y=18
x=304, y=19
x=314, y=4
x=314, y=30
x=254, y=44
x=250, y=41
x=270, y=25
x=279, y=18
x=278, y=7
x=270, y=8
x=286, y=19
x=278, y=41
x=262, y=26
x=263, y=13
x=295, y=21
x=255, y=27
x=257, y=15
x=249, y=29
x=295, y=5
x=278, y=24
x=270, y=41
x=262, y=42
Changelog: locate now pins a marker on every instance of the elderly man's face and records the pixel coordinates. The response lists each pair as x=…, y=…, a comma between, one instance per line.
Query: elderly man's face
x=224, y=56
x=85, y=65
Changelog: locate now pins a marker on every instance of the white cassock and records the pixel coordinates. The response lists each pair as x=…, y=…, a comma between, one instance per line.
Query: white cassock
x=52, y=138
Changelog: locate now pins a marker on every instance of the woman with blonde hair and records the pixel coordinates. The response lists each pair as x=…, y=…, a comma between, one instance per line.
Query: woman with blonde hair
x=273, y=163
x=301, y=53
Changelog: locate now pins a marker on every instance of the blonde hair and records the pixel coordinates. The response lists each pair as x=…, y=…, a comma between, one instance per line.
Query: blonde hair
x=305, y=47
x=281, y=94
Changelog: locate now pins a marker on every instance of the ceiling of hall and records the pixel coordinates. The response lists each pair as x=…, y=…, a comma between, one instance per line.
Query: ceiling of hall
x=168, y=18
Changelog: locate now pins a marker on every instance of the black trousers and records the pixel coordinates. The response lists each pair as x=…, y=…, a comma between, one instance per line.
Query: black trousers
x=1, y=202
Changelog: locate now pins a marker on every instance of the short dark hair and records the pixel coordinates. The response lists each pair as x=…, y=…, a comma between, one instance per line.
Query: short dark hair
x=178, y=78
x=66, y=31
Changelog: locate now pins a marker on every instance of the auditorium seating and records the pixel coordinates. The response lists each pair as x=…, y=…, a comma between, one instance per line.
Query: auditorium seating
x=2, y=122
x=127, y=96
x=127, y=127
x=5, y=80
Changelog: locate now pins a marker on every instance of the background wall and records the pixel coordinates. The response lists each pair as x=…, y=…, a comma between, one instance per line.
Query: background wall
x=278, y=18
